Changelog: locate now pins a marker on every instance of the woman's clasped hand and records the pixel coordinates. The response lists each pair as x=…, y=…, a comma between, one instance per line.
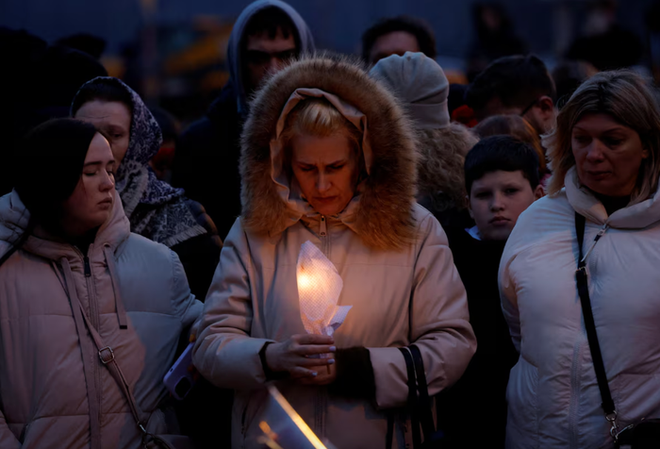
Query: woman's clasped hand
x=302, y=356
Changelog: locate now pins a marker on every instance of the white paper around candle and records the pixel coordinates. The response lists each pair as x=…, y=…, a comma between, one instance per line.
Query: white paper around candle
x=319, y=287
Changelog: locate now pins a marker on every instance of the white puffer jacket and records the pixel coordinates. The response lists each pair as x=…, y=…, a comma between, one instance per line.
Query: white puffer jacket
x=553, y=396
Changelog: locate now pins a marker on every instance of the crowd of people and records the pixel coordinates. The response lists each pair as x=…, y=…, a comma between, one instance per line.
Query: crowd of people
x=496, y=251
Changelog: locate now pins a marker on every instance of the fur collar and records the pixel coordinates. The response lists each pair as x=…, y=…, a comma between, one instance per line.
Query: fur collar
x=384, y=217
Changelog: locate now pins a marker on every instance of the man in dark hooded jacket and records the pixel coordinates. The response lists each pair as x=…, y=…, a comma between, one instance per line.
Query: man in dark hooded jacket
x=265, y=35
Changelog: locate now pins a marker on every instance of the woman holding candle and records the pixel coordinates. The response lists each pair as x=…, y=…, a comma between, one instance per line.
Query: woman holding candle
x=328, y=157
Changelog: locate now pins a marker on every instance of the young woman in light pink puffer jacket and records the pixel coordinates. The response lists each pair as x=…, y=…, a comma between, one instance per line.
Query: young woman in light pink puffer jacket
x=72, y=269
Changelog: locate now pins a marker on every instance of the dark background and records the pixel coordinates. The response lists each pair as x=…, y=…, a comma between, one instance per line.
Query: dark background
x=336, y=24
x=172, y=51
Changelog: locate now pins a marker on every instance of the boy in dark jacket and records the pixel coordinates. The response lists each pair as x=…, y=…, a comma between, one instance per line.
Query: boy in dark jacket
x=502, y=180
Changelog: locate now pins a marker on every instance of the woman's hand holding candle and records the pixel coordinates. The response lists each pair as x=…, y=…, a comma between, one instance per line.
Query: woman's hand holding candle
x=293, y=355
x=319, y=287
x=326, y=375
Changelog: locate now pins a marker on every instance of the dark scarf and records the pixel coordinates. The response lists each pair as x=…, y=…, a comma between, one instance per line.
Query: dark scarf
x=155, y=209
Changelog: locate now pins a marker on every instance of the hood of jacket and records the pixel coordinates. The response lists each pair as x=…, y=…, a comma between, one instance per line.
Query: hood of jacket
x=381, y=213
x=637, y=216
x=236, y=39
x=14, y=218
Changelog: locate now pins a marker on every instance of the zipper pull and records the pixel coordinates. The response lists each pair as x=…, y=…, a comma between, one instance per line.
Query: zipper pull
x=602, y=232
x=323, y=231
x=88, y=270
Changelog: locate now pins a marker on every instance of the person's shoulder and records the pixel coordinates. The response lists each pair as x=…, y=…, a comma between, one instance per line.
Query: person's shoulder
x=425, y=221
x=221, y=115
x=461, y=244
x=458, y=237
x=238, y=236
x=420, y=213
x=540, y=224
x=547, y=211
x=429, y=229
x=197, y=130
x=201, y=217
x=139, y=249
x=225, y=107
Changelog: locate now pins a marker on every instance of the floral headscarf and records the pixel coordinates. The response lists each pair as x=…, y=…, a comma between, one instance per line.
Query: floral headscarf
x=155, y=209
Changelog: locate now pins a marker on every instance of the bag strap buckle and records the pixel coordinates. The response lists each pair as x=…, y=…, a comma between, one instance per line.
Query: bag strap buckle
x=106, y=355
x=614, y=429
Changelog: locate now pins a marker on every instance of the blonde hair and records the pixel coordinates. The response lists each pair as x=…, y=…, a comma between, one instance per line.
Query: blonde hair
x=317, y=117
x=628, y=98
x=440, y=164
x=516, y=126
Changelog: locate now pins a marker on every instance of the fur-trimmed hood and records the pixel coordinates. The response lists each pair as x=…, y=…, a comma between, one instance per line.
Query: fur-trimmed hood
x=381, y=213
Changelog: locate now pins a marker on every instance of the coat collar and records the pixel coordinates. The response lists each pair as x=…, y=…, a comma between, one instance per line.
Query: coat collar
x=637, y=216
x=14, y=218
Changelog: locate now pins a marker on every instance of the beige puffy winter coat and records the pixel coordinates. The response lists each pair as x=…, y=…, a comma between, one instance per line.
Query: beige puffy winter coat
x=392, y=255
x=51, y=377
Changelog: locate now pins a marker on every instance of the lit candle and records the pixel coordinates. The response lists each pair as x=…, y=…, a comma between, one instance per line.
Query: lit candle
x=319, y=287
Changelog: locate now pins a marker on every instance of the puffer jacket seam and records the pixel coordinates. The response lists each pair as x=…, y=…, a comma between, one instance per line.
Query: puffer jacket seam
x=419, y=244
x=65, y=415
x=173, y=283
x=575, y=394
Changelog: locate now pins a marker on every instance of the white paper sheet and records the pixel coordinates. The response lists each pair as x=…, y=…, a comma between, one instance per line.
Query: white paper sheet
x=319, y=287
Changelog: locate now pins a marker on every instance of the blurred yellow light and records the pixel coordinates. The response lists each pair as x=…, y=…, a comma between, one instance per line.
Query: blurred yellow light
x=295, y=417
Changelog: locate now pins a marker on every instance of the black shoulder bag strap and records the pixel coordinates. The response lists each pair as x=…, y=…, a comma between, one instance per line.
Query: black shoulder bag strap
x=590, y=326
x=425, y=410
x=419, y=401
x=413, y=404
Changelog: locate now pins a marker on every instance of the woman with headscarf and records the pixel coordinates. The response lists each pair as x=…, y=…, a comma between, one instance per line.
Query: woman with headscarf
x=155, y=209
x=328, y=158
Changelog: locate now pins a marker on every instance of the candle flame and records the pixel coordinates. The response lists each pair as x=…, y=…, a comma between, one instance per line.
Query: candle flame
x=304, y=281
x=319, y=287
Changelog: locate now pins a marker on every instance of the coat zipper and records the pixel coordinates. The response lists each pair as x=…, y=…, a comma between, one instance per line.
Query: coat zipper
x=93, y=306
x=323, y=232
x=323, y=229
x=88, y=270
x=94, y=314
x=321, y=400
x=600, y=233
